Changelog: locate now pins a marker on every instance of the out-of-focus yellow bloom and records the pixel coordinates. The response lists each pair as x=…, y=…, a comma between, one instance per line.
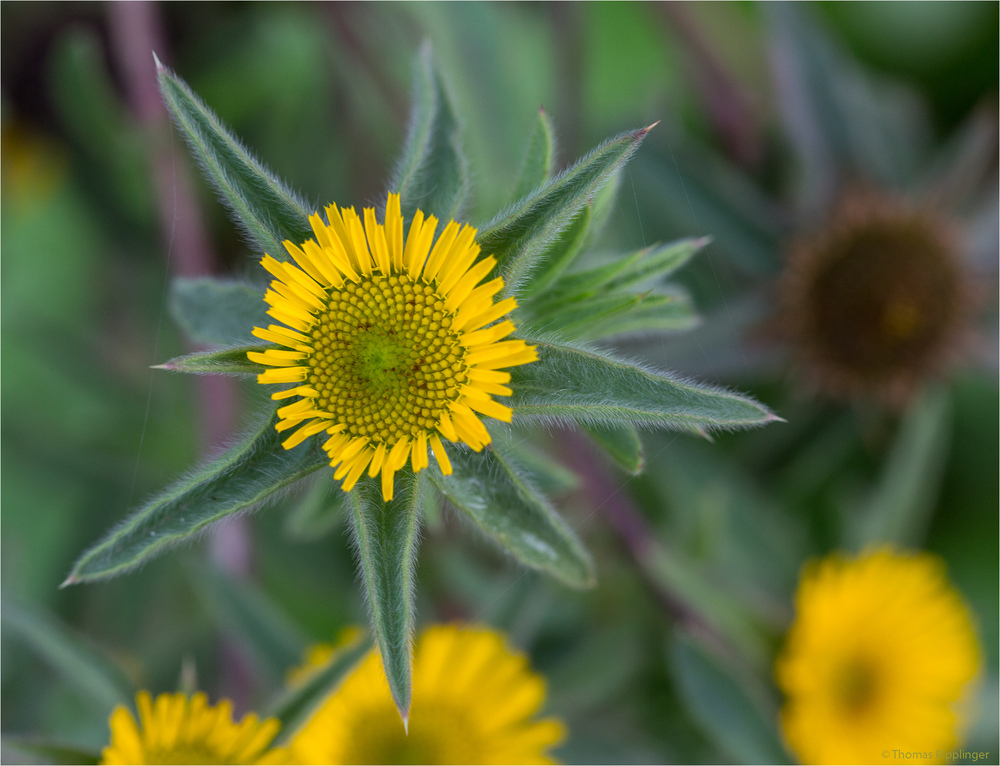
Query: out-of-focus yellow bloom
x=878, y=659
x=174, y=729
x=474, y=702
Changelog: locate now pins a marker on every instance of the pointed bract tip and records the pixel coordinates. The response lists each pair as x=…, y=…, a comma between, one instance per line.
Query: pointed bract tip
x=71, y=580
x=159, y=64
x=648, y=128
x=772, y=418
x=541, y=109
x=406, y=724
x=166, y=366
x=705, y=241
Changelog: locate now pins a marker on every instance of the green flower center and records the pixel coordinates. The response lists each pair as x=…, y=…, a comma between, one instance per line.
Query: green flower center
x=385, y=359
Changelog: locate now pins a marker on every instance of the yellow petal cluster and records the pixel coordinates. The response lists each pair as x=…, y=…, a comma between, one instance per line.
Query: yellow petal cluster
x=391, y=343
x=175, y=729
x=474, y=702
x=879, y=659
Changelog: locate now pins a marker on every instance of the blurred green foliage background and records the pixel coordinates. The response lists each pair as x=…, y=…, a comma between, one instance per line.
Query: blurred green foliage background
x=101, y=208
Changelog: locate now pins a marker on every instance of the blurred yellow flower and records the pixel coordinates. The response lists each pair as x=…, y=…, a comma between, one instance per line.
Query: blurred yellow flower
x=390, y=345
x=474, y=702
x=173, y=729
x=878, y=660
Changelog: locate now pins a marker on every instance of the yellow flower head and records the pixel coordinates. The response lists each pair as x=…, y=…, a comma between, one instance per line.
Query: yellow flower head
x=391, y=345
x=173, y=729
x=879, y=657
x=474, y=701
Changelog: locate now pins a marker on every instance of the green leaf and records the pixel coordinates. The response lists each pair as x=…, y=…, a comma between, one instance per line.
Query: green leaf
x=581, y=385
x=558, y=256
x=540, y=158
x=493, y=491
x=841, y=120
x=432, y=174
x=241, y=479
x=73, y=656
x=741, y=724
x=218, y=312
x=268, y=211
x=646, y=265
x=550, y=476
x=692, y=189
x=602, y=206
x=317, y=513
x=899, y=510
x=385, y=537
x=251, y=618
x=518, y=237
x=572, y=319
x=35, y=750
x=294, y=707
x=223, y=361
x=621, y=443
x=650, y=313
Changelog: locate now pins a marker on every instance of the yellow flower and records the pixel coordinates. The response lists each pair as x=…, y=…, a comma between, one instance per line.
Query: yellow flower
x=878, y=659
x=391, y=345
x=473, y=702
x=176, y=730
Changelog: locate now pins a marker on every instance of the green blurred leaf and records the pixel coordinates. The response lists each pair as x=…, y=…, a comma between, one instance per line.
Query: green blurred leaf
x=268, y=211
x=741, y=725
x=91, y=110
x=71, y=655
x=571, y=319
x=621, y=443
x=650, y=313
x=223, y=361
x=494, y=492
x=317, y=513
x=247, y=615
x=35, y=750
x=385, y=535
x=218, y=312
x=297, y=703
x=842, y=121
x=551, y=477
x=558, y=256
x=518, y=237
x=241, y=479
x=583, y=680
x=540, y=158
x=646, y=265
x=687, y=189
x=899, y=509
x=432, y=173
x=602, y=206
x=581, y=385
x=712, y=599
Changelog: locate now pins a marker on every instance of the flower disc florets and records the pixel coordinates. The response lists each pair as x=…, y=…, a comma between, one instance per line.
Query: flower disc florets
x=392, y=345
x=877, y=300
